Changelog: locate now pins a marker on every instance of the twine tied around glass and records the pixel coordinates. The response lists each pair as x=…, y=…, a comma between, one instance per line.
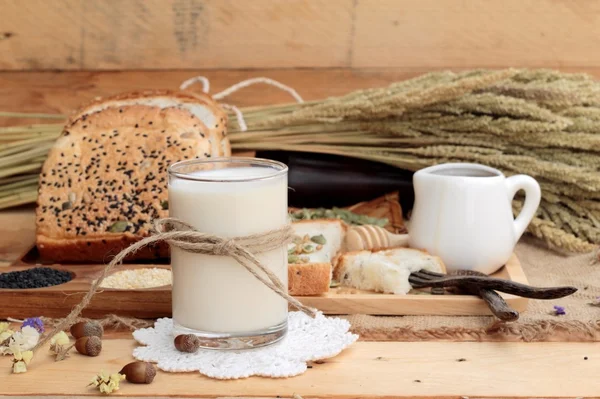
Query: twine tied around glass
x=183, y=236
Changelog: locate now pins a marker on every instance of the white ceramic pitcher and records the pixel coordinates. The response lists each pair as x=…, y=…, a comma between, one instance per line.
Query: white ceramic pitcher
x=463, y=214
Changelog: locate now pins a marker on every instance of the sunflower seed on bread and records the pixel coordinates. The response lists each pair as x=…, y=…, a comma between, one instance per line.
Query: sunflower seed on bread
x=313, y=255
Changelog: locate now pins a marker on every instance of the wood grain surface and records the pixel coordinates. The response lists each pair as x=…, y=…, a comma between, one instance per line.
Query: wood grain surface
x=158, y=34
x=365, y=370
x=191, y=34
x=449, y=33
x=57, y=301
x=64, y=92
x=17, y=233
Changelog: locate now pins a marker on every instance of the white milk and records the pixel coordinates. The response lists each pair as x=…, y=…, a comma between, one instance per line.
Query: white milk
x=215, y=294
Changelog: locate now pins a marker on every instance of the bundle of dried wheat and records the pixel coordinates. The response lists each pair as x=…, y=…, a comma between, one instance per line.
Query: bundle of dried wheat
x=539, y=122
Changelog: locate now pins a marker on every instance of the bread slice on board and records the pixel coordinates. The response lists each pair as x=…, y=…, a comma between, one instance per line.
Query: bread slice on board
x=385, y=270
x=105, y=180
x=313, y=254
x=201, y=105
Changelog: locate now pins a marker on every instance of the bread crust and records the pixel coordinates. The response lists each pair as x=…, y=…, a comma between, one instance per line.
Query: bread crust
x=96, y=249
x=313, y=278
x=221, y=116
x=309, y=278
x=86, y=108
x=218, y=132
x=111, y=166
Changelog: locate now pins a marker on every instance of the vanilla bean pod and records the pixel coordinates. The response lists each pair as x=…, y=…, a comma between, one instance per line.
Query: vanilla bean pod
x=497, y=305
x=478, y=282
x=494, y=301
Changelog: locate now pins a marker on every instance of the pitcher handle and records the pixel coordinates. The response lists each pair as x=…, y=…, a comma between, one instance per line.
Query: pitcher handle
x=533, y=196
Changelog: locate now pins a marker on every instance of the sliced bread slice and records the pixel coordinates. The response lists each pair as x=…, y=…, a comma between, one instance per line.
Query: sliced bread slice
x=313, y=254
x=105, y=180
x=385, y=270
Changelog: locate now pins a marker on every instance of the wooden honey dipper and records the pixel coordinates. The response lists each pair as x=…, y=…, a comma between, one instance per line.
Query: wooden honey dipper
x=373, y=237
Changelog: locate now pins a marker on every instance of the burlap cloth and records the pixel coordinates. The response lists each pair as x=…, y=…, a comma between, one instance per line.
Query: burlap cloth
x=538, y=323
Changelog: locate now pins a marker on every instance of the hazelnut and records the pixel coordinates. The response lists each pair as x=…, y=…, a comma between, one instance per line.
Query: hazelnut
x=139, y=372
x=89, y=346
x=187, y=343
x=87, y=329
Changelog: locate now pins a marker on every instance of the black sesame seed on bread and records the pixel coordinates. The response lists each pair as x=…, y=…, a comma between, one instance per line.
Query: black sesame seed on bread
x=200, y=104
x=105, y=179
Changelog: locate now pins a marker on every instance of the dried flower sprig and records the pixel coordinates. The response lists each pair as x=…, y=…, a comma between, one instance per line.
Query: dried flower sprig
x=5, y=333
x=559, y=310
x=62, y=352
x=34, y=322
x=60, y=345
x=24, y=339
x=20, y=358
x=107, y=383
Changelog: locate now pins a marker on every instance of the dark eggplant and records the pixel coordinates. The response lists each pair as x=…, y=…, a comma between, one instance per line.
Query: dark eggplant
x=323, y=180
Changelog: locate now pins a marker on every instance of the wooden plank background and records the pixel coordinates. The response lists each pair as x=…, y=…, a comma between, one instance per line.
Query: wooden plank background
x=198, y=34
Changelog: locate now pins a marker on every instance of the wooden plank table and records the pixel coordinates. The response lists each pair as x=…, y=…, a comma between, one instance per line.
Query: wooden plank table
x=367, y=369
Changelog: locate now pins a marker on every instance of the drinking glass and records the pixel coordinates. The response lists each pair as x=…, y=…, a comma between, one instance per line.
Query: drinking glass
x=214, y=297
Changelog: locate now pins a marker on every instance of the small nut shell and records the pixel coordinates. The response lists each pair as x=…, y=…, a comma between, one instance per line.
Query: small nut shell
x=87, y=329
x=188, y=343
x=89, y=346
x=139, y=372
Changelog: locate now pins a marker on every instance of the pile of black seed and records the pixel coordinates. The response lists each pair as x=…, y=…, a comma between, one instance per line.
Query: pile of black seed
x=37, y=277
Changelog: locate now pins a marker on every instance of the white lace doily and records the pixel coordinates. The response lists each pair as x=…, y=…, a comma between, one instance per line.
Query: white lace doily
x=307, y=339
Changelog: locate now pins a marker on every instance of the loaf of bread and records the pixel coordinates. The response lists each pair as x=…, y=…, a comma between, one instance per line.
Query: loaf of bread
x=316, y=249
x=105, y=179
x=385, y=270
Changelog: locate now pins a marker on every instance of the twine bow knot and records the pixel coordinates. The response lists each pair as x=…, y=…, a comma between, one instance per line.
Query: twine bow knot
x=243, y=249
x=225, y=247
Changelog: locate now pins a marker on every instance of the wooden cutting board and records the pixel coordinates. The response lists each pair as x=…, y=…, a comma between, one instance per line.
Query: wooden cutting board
x=57, y=301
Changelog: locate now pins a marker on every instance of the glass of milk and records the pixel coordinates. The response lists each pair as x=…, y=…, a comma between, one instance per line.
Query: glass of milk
x=214, y=297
